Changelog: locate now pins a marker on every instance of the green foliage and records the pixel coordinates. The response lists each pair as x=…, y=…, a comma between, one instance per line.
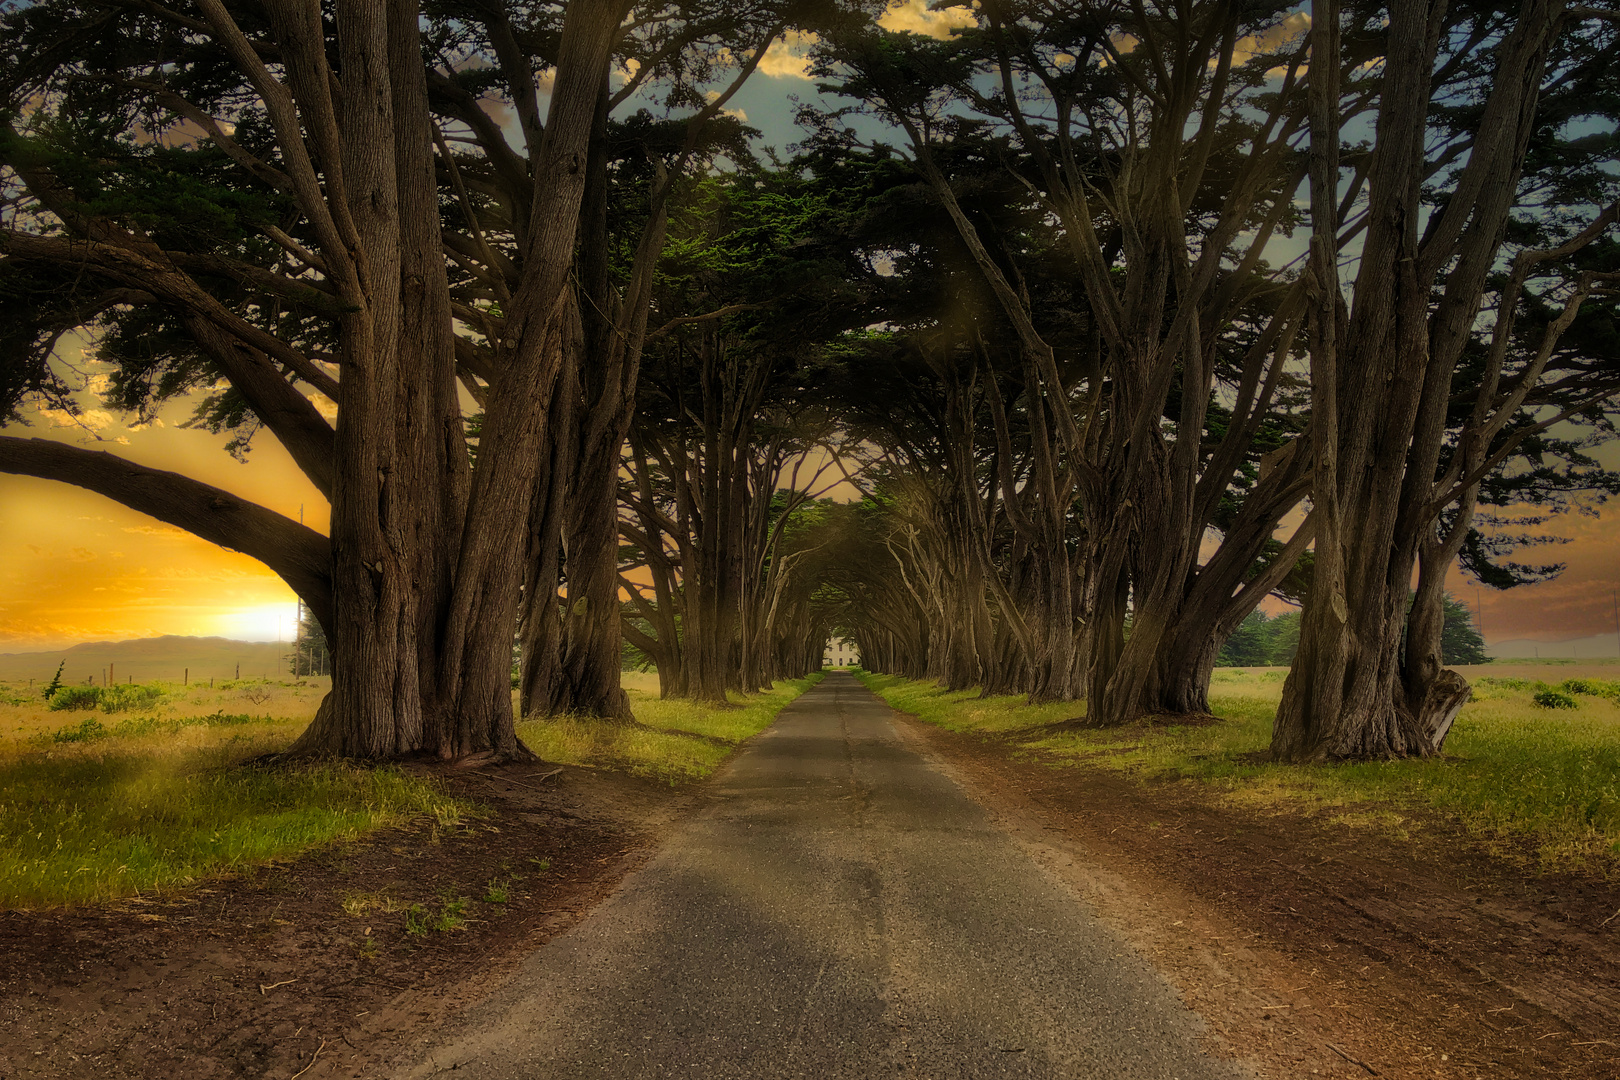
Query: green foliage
x=70, y=698
x=452, y=915
x=1602, y=688
x=127, y=697
x=497, y=892
x=1262, y=641
x=56, y=682
x=1461, y=641
x=87, y=730
x=1554, y=699
x=91, y=729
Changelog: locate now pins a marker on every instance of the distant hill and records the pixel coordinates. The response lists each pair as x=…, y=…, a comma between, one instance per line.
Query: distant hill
x=1597, y=647
x=167, y=657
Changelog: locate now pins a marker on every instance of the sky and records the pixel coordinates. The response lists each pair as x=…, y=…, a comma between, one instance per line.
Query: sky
x=75, y=566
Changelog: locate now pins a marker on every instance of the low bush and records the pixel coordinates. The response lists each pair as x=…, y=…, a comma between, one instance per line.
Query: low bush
x=87, y=730
x=1603, y=688
x=70, y=698
x=1554, y=699
x=129, y=697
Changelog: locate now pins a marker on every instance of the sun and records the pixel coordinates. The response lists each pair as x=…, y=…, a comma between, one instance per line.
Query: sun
x=264, y=622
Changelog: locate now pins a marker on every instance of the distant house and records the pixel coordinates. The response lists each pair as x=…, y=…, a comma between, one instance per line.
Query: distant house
x=840, y=653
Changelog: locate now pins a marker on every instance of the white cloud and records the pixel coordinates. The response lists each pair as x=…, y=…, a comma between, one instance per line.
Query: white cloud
x=92, y=419
x=789, y=56
x=739, y=114
x=915, y=16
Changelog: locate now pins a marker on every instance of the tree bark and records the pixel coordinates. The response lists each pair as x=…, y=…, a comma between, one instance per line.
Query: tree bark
x=1381, y=384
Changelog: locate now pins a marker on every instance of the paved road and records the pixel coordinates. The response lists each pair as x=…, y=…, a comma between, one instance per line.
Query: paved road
x=843, y=911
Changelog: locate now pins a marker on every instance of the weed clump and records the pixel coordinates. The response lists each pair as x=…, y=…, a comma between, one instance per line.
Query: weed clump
x=75, y=698
x=1554, y=699
x=130, y=697
x=87, y=730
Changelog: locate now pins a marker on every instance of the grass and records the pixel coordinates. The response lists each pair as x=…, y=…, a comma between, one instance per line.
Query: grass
x=147, y=787
x=673, y=740
x=104, y=805
x=1530, y=778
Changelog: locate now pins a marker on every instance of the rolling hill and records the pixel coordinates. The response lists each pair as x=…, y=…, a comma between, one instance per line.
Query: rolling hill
x=167, y=657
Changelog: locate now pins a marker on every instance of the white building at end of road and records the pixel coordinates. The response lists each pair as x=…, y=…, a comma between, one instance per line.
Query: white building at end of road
x=840, y=653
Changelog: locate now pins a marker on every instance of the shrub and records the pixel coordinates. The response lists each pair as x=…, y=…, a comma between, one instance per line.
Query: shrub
x=75, y=697
x=1554, y=699
x=56, y=682
x=88, y=730
x=130, y=696
x=1603, y=688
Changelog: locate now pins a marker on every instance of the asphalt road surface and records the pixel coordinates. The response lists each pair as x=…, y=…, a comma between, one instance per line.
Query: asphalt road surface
x=843, y=910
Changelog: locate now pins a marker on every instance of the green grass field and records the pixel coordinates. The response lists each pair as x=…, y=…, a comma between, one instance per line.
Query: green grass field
x=153, y=788
x=1546, y=780
x=147, y=790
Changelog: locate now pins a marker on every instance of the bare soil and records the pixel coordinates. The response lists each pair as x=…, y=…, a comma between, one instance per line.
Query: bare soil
x=268, y=974
x=1318, y=949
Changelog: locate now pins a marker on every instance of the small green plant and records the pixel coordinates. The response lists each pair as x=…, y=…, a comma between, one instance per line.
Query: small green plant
x=497, y=892
x=1554, y=699
x=368, y=948
x=70, y=698
x=87, y=730
x=416, y=920
x=56, y=681
x=452, y=913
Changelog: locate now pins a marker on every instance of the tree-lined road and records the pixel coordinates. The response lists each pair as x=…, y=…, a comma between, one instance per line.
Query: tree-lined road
x=844, y=910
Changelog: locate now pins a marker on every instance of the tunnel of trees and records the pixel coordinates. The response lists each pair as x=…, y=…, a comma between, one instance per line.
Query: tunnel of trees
x=1055, y=349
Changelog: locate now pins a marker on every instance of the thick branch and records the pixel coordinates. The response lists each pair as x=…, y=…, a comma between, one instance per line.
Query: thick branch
x=301, y=556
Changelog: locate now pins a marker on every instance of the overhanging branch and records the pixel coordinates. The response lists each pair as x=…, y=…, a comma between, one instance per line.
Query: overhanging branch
x=299, y=555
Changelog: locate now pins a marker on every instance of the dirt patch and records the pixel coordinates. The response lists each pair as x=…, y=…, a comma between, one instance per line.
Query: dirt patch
x=1319, y=949
x=310, y=962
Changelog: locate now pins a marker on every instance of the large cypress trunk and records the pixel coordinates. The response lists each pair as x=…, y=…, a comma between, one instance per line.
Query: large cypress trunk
x=1367, y=681
x=591, y=649
x=389, y=573
x=476, y=659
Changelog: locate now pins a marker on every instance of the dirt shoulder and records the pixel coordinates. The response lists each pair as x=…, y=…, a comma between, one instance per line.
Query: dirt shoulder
x=310, y=961
x=1313, y=949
